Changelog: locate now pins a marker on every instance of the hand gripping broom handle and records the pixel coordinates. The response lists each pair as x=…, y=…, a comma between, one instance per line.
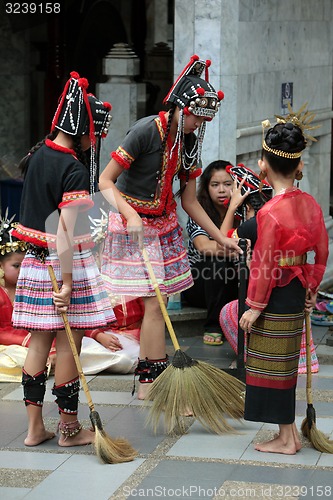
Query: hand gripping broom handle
x=308, y=359
x=160, y=300
x=72, y=343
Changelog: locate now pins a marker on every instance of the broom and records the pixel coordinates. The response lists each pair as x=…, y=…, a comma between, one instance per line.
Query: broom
x=190, y=386
x=319, y=441
x=109, y=451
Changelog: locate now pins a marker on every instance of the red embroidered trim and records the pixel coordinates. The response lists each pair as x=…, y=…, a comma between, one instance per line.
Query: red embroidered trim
x=46, y=240
x=74, y=198
x=193, y=175
x=57, y=147
x=120, y=159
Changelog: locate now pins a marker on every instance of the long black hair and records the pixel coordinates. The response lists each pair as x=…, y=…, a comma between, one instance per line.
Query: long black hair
x=203, y=192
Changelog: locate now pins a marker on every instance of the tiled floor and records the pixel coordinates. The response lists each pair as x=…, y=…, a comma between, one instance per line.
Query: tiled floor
x=196, y=465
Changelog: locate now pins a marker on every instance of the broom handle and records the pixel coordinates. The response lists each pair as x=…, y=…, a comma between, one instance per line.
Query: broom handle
x=160, y=300
x=72, y=343
x=308, y=359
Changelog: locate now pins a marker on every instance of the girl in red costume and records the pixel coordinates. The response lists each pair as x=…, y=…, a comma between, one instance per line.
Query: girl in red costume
x=290, y=225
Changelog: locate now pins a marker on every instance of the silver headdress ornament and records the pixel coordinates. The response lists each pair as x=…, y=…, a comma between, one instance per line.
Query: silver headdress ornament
x=99, y=227
x=8, y=244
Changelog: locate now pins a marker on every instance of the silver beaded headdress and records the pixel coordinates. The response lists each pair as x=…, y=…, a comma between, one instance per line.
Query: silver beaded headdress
x=194, y=95
x=79, y=113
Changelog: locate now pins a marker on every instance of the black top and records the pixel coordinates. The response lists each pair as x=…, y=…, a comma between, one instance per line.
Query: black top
x=54, y=179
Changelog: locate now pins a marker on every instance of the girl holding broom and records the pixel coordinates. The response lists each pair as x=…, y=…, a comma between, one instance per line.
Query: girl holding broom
x=138, y=181
x=59, y=179
x=289, y=226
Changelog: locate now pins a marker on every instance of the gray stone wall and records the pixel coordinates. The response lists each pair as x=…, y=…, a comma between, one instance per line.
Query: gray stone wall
x=14, y=96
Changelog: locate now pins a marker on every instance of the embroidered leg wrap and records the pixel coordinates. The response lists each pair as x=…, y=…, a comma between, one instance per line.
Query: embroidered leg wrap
x=67, y=396
x=149, y=369
x=157, y=366
x=34, y=388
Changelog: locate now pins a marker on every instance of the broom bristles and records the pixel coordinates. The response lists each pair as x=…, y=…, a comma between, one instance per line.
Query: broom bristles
x=201, y=389
x=112, y=451
x=316, y=437
x=320, y=441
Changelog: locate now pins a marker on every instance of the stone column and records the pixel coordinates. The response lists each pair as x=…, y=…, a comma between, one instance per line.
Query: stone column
x=210, y=30
x=127, y=97
x=157, y=22
x=159, y=74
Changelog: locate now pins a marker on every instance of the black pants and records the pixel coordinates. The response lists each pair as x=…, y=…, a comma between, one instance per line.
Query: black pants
x=215, y=284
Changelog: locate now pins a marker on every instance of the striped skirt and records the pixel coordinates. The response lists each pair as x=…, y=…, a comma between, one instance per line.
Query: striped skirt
x=229, y=325
x=123, y=268
x=273, y=356
x=89, y=308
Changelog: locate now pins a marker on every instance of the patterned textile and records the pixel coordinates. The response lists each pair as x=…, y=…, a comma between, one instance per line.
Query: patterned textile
x=274, y=349
x=229, y=325
x=34, y=309
x=273, y=355
x=123, y=268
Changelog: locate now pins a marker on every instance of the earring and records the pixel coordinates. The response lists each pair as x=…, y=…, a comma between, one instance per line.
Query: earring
x=298, y=176
x=2, y=274
x=262, y=177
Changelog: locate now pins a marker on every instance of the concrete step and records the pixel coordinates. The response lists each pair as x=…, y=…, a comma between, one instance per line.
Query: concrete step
x=188, y=321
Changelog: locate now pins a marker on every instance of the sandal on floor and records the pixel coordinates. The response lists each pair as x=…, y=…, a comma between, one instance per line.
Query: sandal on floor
x=216, y=338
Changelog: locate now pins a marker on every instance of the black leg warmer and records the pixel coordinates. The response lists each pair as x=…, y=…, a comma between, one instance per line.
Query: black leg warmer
x=149, y=369
x=34, y=388
x=67, y=396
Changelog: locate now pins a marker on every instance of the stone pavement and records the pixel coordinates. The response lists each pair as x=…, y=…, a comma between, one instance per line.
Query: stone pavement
x=197, y=465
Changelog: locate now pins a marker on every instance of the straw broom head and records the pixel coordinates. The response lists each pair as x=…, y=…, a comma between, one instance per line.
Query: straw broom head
x=108, y=450
x=309, y=429
x=317, y=438
x=198, y=389
x=190, y=386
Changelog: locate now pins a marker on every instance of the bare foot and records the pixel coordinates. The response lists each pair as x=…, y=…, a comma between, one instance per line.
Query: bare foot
x=143, y=391
x=233, y=365
x=277, y=446
x=84, y=437
x=298, y=444
x=187, y=412
x=38, y=438
x=297, y=440
x=212, y=338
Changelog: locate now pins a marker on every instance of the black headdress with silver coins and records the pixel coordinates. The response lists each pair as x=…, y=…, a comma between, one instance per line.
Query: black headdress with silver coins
x=193, y=95
x=79, y=113
x=251, y=183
